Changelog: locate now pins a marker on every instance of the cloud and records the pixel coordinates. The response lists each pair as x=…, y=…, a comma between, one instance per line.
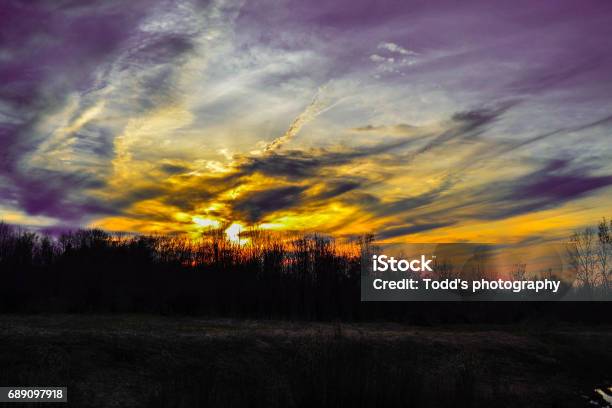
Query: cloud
x=394, y=48
x=301, y=164
x=335, y=188
x=557, y=182
x=73, y=77
x=477, y=118
x=552, y=185
x=393, y=59
x=399, y=129
x=153, y=113
x=315, y=108
x=378, y=58
x=253, y=206
x=170, y=168
x=395, y=232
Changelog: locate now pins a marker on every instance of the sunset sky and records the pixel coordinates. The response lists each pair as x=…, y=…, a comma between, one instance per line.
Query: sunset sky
x=425, y=121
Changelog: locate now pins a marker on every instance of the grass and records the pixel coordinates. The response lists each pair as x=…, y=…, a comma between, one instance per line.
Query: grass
x=145, y=361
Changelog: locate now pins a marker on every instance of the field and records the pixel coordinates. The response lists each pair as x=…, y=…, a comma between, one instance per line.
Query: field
x=145, y=361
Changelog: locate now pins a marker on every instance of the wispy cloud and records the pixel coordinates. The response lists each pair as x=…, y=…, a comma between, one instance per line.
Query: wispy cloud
x=394, y=48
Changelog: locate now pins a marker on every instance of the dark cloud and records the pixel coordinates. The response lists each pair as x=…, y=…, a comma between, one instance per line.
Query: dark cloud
x=311, y=168
x=253, y=206
x=411, y=229
x=335, y=188
x=555, y=183
x=319, y=168
x=50, y=44
x=299, y=164
x=463, y=126
x=173, y=168
x=413, y=202
x=477, y=119
x=47, y=194
x=559, y=182
x=194, y=191
x=293, y=165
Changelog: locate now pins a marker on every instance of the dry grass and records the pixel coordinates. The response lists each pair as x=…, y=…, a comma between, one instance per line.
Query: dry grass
x=144, y=361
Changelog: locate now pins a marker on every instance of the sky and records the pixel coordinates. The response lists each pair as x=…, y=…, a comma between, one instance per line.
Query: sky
x=422, y=121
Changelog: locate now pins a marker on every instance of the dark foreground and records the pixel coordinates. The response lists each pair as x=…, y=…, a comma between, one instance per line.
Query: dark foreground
x=143, y=361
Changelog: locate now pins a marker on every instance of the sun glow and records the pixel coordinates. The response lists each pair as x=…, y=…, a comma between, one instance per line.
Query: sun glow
x=233, y=234
x=206, y=222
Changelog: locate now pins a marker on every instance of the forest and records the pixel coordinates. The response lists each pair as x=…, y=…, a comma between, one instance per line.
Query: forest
x=297, y=277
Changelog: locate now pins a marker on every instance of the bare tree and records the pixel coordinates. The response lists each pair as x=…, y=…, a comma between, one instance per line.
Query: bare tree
x=604, y=252
x=518, y=271
x=582, y=253
x=7, y=241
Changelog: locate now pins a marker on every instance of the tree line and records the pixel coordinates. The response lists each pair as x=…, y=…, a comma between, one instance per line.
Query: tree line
x=303, y=276
x=306, y=276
